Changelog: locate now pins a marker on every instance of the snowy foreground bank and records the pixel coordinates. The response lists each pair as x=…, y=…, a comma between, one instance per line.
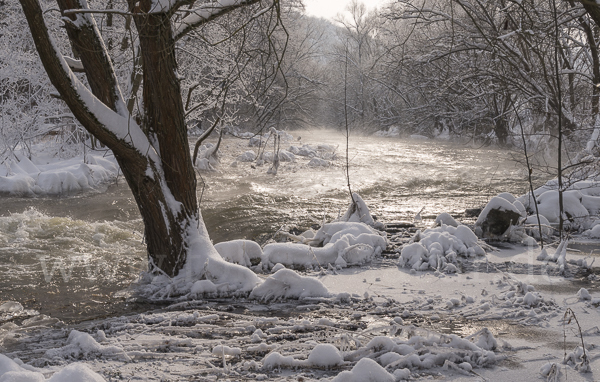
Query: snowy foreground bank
x=437, y=303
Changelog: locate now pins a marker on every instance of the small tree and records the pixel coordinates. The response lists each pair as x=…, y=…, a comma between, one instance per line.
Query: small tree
x=152, y=148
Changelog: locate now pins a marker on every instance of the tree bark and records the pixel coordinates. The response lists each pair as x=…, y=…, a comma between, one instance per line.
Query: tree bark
x=165, y=126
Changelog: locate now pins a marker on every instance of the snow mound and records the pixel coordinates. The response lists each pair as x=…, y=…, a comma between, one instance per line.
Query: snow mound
x=304, y=151
x=318, y=162
x=76, y=372
x=365, y=370
x=323, y=152
x=226, y=351
x=580, y=202
x=593, y=233
x=248, y=156
x=240, y=252
x=82, y=345
x=286, y=156
x=325, y=356
x=447, y=219
x=572, y=202
x=532, y=224
x=10, y=371
x=55, y=176
x=285, y=284
x=438, y=248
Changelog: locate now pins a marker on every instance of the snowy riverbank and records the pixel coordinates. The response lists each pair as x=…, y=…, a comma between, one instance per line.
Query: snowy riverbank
x=411, y=303
x=502, y=321
x=499, y=315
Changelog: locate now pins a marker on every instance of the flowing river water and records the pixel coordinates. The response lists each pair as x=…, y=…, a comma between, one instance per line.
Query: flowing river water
x=74, y=257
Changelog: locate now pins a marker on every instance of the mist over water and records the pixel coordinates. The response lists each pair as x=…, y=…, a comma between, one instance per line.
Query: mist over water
x=72, y=258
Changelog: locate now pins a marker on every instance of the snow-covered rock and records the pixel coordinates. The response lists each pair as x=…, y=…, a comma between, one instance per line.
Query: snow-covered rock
x=318, y=162
x=241, y=252
x=496, y=218
x=248, y=156
x=392, y=131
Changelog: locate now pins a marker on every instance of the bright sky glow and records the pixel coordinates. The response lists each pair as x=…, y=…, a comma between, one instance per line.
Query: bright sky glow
x=328, y=9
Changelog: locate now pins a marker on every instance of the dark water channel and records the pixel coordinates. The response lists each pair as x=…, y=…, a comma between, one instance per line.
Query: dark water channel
x=72, y=257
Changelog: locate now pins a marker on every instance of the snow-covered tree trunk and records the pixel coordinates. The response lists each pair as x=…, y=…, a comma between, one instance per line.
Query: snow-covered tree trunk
x=154, y=155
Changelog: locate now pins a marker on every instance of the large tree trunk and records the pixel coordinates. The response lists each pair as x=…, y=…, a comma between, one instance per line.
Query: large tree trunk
x=162, y=178
x=168, y=218
x=154, y=157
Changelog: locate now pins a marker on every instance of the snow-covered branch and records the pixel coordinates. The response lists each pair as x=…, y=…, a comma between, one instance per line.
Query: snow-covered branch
x=119, y=132
x=206, y=13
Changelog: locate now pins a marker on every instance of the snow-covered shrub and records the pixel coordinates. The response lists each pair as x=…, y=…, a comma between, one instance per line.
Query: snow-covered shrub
x=581, y=201
x=438, y=248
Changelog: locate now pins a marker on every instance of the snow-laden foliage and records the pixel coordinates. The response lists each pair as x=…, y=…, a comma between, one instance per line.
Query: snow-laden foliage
x=439, y=249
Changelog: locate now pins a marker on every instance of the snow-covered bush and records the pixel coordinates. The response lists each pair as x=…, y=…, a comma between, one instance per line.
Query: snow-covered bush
x=438, y=248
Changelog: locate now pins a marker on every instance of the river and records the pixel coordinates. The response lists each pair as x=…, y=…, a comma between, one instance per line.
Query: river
x=74, y=257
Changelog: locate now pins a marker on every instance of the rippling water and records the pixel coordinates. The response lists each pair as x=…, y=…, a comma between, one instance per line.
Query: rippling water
x=72, y=257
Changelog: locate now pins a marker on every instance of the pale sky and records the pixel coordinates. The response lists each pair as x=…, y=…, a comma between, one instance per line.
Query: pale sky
x=329, y=8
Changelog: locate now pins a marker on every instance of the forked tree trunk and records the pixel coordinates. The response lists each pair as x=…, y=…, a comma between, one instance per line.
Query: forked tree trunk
x=162, y=179
x=154, y=157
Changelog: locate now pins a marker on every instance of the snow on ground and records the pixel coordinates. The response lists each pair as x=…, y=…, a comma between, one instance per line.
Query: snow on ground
x=581, y=203
x=500, y=319
x=502, y=315
x=51, y=175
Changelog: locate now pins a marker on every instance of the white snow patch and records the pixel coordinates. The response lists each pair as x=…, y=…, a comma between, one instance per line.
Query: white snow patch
x=55, y=176
x=365, y=370
x=285, y=284
x=240, y=252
